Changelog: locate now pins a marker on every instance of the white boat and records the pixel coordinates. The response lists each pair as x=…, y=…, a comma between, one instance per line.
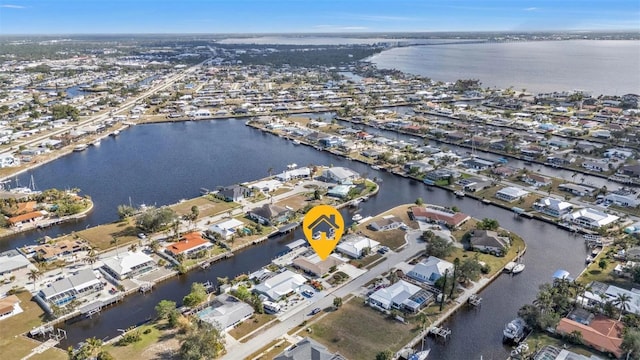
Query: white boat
x=296, y=142
x=518, y=268
x=96, y=142
x=115, y=133
x=514, y=330
x=459, y=193
x=421, y=355
x=356, y=217
x=375, y=167
x=510, y=265
x=292, y=166
x=80, y=147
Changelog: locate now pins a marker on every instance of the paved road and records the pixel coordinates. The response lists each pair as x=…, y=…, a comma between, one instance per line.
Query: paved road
x=243, y=350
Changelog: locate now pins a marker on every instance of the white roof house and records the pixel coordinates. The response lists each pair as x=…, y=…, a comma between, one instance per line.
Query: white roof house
x=601, y=293
x=339, y=175
x=12, y=260
x=553, y=207
x=352, y=245
x=266, y=185
x=591, y=218
x=83, y=283
x=128, y=264
x=226, y=312
x=280, y=285
x=300, y=173
x=511, y=193
x=430, y=270
x=397, y=296
x=226, y=228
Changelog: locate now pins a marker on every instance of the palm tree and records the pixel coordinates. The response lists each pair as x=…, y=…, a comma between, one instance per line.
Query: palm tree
x=34, y=275
x=91, y=257
x=622, y=301
x=154, y=246
x=133, y=247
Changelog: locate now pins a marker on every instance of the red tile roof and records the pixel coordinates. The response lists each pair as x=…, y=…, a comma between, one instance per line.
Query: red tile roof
x=24, y=217
x=602, y=333
x=188, y=242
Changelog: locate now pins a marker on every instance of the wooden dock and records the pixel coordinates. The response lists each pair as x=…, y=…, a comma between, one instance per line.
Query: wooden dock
x=440, y=333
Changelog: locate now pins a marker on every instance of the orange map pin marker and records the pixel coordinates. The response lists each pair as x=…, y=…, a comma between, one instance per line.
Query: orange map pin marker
x=323, y=227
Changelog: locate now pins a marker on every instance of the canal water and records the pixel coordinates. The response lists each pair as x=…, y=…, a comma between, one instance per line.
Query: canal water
x=163, y=163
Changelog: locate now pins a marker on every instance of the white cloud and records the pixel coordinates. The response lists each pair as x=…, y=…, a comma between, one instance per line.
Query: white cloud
x=339, y=27
x=10, y=6
x=531, y=9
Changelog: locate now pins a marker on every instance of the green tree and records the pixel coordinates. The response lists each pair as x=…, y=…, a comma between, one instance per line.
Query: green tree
x=384, y=355
x=125, y=211
x=65, y=112
x=202, y=341
x=337, y=302
x=197, y=295
x=631, y=343
x=105, y=355
x=488, y=224
x=34, y=275
x=469, y=269
x=164, y=308
x=439, y=247
x=419, y=201
x=242, y=293
x=155, y=219
x=603, y=263
x=91, y=258
x=622, y=301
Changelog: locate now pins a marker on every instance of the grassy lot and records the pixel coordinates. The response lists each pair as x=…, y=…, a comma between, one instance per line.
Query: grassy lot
x=254, y=322
x=51, y=354
x=280, y=191
x=464, y=228
x=141, y=349
x=12, y=344
x=270, y=350
x=364, y=263
x=372, y=333
x=295, y=202
x=207, y=205
x=101, y=236
x=392, y=238
x=594, y=273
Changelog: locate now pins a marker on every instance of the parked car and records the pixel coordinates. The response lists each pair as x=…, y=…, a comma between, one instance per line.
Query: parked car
x=315, y=311
x=142, y=236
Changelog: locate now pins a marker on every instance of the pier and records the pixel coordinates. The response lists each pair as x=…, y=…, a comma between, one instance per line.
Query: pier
x=440, y=333
x=474, y=300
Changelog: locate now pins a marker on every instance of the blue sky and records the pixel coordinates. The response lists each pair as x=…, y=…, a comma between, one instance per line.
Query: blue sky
x=278, y=16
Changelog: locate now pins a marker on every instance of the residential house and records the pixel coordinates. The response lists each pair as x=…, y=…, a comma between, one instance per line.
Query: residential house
x=269, y=214
x=430, y=270
x=83, y=283
x=623, y=198
x=602, y=334
x=12, y=260
x=311, y=263
x=536, y=180
x=30, y=217
x=9, y=306
x=553, y=207
x=598, y=166
x=339, y=175
x=578, y=190
x=511, y=194
x=226, y=312
x=439, y=214
x=477, y=163
x=354, y=245
x=441, y=174
x=301, y=173
x=599, y=293
x=388, y=222
x=630, y=170
x=621, y=154
x=474, y=184
x=307, y=349
x=266, y=186
x=234, y=193
x=419, y=166
x=590, y=218
x=340, y=191
x=504, y=171
x=226, y=228
x=190, y=244
x=59, y=249
x=128, y=265
x=280, y=285
x=401, y=296
x=489, y=241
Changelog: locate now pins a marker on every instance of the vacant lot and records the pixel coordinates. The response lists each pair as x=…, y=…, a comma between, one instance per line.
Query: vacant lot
x=391, y=238
x=207, y=205
x=358, y=332
x=156, y=344
x=249, y=325
x=102, y=236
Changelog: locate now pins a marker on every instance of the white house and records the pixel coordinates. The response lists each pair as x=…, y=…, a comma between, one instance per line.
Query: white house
x=301, y=173
x=553, y=207
x=226, y=312
x=623, y=198
x=226, y=228
x=430, y=270
x=511, y=194
x=388, y=222
x=353, y=245
x=600, y=293
x=12, y=260
x=9, y=306
x=401, y=296
x=128, y=265
x=280, y=285
x=83, y=283
x=339, y=175
x=591, y=218
x=266, y=186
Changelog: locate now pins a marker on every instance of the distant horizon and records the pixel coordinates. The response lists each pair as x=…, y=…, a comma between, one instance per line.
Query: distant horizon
x=83, y=17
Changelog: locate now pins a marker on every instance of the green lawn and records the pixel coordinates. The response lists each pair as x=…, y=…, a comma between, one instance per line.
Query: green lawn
x=135, y=350
x=254, y=322
x=372, y=333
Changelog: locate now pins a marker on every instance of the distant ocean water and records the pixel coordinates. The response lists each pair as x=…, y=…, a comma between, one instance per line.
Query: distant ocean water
x=597, y=66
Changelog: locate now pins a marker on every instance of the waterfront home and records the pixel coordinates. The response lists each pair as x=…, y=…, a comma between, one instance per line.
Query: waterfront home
x=234, y=193
x=226, y=228
x=311, y=263
x=511, y=194
x=128, y=265
x=430, y=270
x=388, y=222
x=578, y=190
x=419, y=166
x=474, y=184
x=623, y=198
x=356, y=246
x=598, y=166
x=630, y=170
x=340, y=191
x=269, y=214
x=553, y=207
x=535, y=180
x=329, y=142
x=59, y=249
x=590, y=218
x=477, y=163
x=339, y=175
x=622, y=154
x=306, y=349
x=266, y=186
x=190, y=244
x=599, y=293
x=30, y=217
x=402, y=296
x=488, y=241
x=9, y=306
x=602, y=333
x=504, y=171
x=280, y=285
x=81, y=284
x=225, y=312
x=7, y=160
x=12, y=260
x=439, y=214
x=441, y=174
x=301, y=173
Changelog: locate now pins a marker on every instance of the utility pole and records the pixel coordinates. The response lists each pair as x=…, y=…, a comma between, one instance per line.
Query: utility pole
x=444, y=288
